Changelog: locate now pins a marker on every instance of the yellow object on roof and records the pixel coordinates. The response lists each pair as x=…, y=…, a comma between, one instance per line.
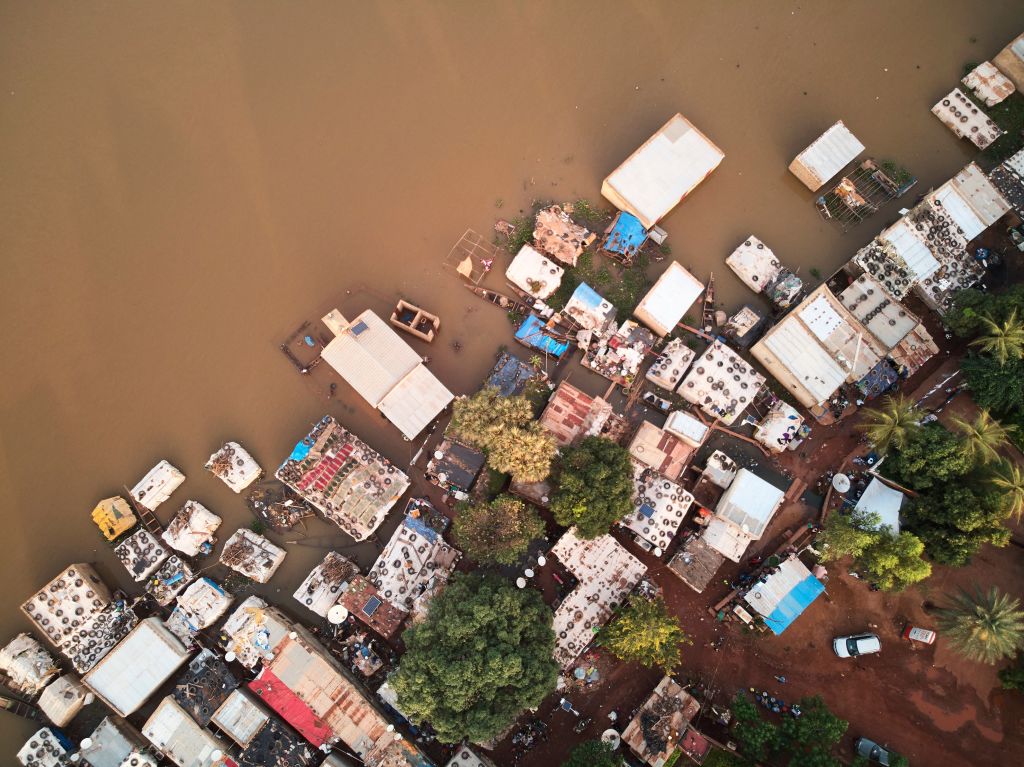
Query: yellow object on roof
x=113, y=516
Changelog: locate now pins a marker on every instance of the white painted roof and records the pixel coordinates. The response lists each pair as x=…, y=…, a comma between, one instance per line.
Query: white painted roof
x=749, y=503
x=240, y=717
x=179, y=738
x=878, y=498
x=826, y=156
x=137, y=667
x=658, y=175
x=888, y=320
x=1016, y=163
x=158, y=484
x=979, y=202
x=415, y=401
x=670, y=298
x=529, y=265
x=371, y=357
x=754, y=263
x=728, y=540
x=687, y=427
x=911, y=248
x=791, y=354
x=670, y=367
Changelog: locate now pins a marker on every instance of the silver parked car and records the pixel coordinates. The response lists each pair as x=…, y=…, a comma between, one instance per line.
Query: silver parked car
x=857, y=644
x=875, y=753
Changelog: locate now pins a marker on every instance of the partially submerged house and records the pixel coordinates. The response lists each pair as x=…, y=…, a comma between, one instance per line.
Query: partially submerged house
x=416, y=563
x=363, y=600
x=385, y=371
x=1010, y=61
x=239, y=717
x=534, y=273
x=510, y=375
x=667, y=302
x=745, y=327
x=193, y=529
x=988, y=83
x=62, y=699
x=454, y=467
x=588, y=309
x=342, y=476
x=742, y=514
x=571, y=415
x=662, y=172
x=141, y=554
x=77, y=586
x=884, y=501
x=157, y=486
x=607, y=573
x=557, y=235
x=137, y=667
x=721, y=383
x=782, y=593
x=624, y=237
x=113, y=516
x=828, y=154
x=966, y=119
x=759, y=269
x=618, y=353
x=326, y=582
x=672, y=363
x=657, y=449
x=46, y=747
x=27, y=665
x=204, y=686
x=535, y=333
x=199, y=607
x=253, y=630
x=167, y=582
x=252, y=555
x=661, y=506
x=233, y=465
x=659, y=727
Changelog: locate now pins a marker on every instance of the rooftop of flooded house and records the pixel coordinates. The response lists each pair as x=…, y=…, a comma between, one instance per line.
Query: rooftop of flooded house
x=352, y=484
x=416, y=560
x=571, y=415
x=655, y=448
x=668, y=300
x=828, y=154
x=141, y=554
x=456, y=465
x=721, y=383
x=966, y=119
x=510, y=375
x=253, y=630
x=204, y=685
x=988, y=83
x=671, y=365
x=193, y=526
x=322, y=588
x=607, y=573
x=618, y=355
x=666, y=168
x=588, y=309
x=755, y=264
x=179, y=738
x=625, y=236
x=556, y=234
x=233, y=465
x=157, y=485
x=534, y=273
x=661, y=506
x=534, y=333
x=252, y=555
x=661, y=722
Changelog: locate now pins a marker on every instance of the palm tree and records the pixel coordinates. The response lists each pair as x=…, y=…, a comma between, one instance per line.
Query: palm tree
x=983, y=437
x=1003, y=340
x=1010, y=479
x=984, y=627
x=892, y=424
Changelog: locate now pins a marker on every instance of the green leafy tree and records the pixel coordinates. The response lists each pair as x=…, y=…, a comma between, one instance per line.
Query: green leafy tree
x=1009, y=480
x=757, y=738
x=984, y=626
x=891, y=425
x=932, y=457
x=811, y=737
x=1003, y=340
x=956, y=519
x=499, y=532
x=481, y=656
x=847, y=535
x=524, y=453
x=969, y=305
x=504, y=428
x=983, y=437
x=593, y=753
x=999, y=388
x=1012, y=677
x=595, y=487
x=645, y=632
x=894, y=561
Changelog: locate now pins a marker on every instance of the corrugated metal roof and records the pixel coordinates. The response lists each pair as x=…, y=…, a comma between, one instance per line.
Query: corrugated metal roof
x=791, y=354
x=988, y=83
x=240, y=718
x=782, y=596
x=749, y=503
x=986, y=203
x=658, y=175
x=670, y=298
x=962, y=116
x=534, y=272
x=371, y=357
x=826, y=156
x=728, y=540
x=415, y=401
x=136, y=668
x=179, y=738
x=572, y=414
x=888, y=320
x=1016, y=163
x=911, y=248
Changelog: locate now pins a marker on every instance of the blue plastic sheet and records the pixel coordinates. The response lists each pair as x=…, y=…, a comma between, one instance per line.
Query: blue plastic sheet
x=532, y=333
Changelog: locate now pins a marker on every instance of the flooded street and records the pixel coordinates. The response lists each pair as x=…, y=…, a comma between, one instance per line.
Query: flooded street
x=184, y=185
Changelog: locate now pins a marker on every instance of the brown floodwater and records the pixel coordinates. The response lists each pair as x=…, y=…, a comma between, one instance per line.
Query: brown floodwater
x=182, y=184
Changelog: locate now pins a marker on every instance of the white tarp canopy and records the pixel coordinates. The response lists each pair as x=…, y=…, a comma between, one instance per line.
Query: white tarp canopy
x=878, y=498
x=534, y=273
x=658, y=175
x=828, y=154
x=687, y=427
x=157, y=486
x=749, y=503
x=670, y=298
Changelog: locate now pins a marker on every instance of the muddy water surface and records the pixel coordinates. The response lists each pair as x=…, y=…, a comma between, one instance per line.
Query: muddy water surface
x=182, y=184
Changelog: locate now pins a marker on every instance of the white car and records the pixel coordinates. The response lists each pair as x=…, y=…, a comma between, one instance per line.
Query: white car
x=857, y=644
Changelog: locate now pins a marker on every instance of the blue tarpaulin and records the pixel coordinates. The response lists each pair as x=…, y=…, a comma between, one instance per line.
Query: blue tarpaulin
x=587, y=296
x=795, y=602
x=627, y=235
x=510, y=375
x=533, y=334
x=301, y=451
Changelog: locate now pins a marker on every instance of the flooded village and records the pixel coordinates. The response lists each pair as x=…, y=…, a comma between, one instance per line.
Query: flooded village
x=572, y=500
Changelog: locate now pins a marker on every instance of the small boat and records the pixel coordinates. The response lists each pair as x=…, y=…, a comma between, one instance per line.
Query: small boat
x=415, y=321
x=708, y=314
x=500, y=300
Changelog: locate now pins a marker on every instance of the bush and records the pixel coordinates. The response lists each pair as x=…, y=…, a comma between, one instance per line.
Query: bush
x=593, y=753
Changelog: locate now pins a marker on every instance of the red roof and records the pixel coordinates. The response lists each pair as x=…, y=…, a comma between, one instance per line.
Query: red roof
x=290, y=707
